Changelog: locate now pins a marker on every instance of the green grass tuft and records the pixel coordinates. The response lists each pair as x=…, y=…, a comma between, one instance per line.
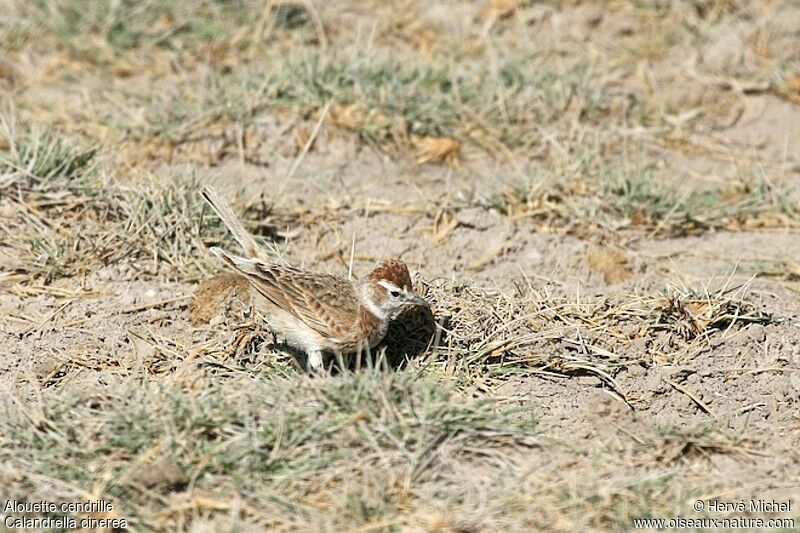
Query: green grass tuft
x=255, y=438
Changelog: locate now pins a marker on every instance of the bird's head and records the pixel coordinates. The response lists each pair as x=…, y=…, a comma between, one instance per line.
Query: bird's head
x=387, y=290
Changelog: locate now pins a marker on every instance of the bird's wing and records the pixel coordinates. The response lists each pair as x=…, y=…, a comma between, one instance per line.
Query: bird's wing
x=326, y=304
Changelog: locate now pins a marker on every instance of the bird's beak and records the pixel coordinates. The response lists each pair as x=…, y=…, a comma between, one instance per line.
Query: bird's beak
x=416, y=300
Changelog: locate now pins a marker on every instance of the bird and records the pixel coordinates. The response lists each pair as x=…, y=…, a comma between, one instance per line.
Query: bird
x=317, y=313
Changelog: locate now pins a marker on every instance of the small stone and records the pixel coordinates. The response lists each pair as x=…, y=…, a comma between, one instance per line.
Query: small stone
x=163, y=472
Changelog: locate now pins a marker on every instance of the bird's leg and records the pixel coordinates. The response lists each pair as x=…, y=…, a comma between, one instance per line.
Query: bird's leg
x=369, y=357
x=340, y=360
x=315, y=363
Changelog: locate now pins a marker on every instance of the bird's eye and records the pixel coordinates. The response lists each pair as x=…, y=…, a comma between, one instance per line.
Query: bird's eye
x=394, y=294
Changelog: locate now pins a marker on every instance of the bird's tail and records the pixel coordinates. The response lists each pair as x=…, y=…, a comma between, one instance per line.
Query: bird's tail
x=225, y=213
x=245, y=265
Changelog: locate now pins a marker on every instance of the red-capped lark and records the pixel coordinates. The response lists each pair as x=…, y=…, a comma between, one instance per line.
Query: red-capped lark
x=317, y=313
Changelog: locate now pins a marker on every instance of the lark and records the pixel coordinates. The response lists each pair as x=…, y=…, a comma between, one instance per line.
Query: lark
x=317, y=313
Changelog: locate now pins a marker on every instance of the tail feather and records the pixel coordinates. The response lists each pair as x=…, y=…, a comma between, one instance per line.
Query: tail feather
x=244, y=265
x=226, y=214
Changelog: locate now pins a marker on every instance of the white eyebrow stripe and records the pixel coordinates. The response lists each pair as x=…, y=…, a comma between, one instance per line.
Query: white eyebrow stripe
x=388, y=286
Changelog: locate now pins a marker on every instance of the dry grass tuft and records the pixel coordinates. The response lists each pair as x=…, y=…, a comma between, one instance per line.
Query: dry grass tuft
x=623, y=200
x=611, y=263
x=539, y=331
x=686, y=445
x=437, y=150
x=211, y=298
x=691, y=314
x=70, y=218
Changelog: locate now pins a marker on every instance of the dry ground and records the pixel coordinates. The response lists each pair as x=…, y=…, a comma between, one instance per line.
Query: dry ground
x=599, y=198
